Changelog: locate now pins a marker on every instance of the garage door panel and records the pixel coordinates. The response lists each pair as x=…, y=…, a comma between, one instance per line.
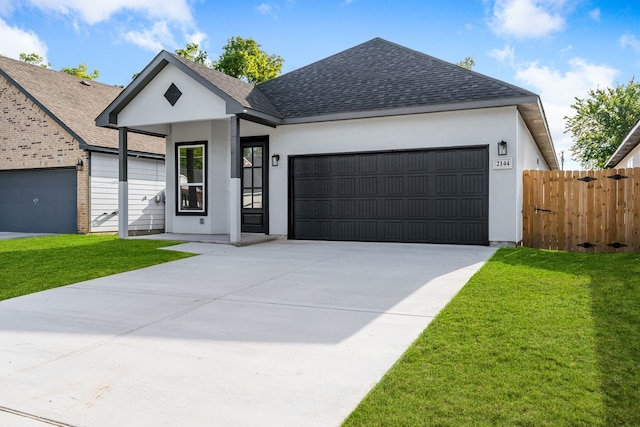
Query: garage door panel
x=346, y=186
x=418, y=184
x=368, y=185
x=367, y=208
x=431, y=196
x=367, y=164
x=472, y=208
x=447, y=184
x=473, y=184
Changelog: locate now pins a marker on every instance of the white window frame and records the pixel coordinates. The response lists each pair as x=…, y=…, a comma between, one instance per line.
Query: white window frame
x=180, y=184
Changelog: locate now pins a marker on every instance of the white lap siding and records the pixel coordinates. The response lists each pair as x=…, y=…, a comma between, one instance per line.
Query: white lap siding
x=146, y=179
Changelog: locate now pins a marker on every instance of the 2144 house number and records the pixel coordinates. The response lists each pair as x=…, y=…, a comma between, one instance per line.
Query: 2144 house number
x=503, y=163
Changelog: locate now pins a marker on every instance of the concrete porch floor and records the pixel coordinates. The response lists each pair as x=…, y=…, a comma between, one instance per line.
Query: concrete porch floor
x=223, y=239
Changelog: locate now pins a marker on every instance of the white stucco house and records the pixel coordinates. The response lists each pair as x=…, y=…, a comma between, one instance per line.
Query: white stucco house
x=376, y=143
x=628, y=153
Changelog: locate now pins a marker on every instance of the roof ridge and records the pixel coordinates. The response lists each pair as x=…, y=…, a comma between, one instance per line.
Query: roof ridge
x=442, y=61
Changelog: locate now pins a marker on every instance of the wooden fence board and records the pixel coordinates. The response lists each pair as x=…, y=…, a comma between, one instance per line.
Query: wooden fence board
x=526, y=207
x=588, y=211
x=635, y=224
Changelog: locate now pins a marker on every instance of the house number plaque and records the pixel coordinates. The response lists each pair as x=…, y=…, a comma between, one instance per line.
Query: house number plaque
x=503, y=163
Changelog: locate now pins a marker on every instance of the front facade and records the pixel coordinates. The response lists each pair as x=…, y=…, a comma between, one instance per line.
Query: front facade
x=58, y=172
x=341, y=149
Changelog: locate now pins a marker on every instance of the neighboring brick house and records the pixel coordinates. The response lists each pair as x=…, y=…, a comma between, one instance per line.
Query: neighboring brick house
x=58, y=171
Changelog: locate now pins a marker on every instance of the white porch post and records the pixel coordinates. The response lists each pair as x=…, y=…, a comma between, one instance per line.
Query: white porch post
x=235, y=192
x=123, y=187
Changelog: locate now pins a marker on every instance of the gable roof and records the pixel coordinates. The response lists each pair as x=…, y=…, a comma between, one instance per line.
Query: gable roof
x=73, y=103
x=380, y=75
x=631, y=141
x=374, y=79
x=242, y=99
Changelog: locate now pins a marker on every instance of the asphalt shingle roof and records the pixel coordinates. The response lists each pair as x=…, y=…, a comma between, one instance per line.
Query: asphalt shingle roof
x=75, y=104
x=380, y=75
x=244, y=93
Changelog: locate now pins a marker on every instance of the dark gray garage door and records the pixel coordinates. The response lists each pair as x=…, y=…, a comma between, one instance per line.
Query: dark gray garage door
x=38, y=201
x=427, y=196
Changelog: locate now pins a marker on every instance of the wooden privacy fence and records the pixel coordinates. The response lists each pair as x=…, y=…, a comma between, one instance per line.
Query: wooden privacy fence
x=589, y=211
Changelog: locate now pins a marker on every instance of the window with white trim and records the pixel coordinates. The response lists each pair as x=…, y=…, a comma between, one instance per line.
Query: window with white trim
x=191, y=182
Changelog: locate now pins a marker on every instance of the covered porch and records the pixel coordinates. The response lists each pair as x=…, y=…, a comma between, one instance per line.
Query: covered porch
x=246, y=239
x=200, y=124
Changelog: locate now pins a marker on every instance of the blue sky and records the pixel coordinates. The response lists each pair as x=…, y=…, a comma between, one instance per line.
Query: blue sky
x=556, y=48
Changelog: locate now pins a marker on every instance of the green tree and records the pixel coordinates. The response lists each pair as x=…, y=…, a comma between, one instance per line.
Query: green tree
x=467, y=63
x=245, y=59
x=81, y=71
x=601, y=121
x=193, y=53
x=35, y=59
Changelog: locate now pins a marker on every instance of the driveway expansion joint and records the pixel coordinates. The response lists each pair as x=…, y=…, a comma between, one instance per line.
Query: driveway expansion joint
x=34, y=417
x=325, y=307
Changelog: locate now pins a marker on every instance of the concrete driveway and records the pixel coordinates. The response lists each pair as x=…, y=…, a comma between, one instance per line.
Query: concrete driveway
x=7, y=235
x=285, y=333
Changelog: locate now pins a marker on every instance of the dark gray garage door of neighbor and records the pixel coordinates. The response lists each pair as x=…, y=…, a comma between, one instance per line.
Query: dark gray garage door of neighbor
x=421, y=196
x=38, y=201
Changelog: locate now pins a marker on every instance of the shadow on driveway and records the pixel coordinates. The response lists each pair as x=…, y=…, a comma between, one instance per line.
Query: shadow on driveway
x=281, y=333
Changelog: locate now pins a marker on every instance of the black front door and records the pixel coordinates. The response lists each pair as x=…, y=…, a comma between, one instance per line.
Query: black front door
x=255, y=180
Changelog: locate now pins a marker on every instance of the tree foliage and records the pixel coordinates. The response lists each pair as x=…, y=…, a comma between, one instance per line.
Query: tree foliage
x=245, y=59
x=467, y=63
x=81, y=71
x=193, y=53
x=601, y=121
x=35, y=59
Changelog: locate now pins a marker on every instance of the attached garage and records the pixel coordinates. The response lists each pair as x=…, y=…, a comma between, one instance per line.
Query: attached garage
x=38, y=200
x=421, y=196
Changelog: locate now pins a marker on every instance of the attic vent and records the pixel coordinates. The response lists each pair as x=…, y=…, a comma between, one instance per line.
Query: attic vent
x=85, y=83
x=172, y=94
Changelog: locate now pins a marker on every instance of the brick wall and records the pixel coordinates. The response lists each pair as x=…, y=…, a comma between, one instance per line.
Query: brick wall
x=29, y=139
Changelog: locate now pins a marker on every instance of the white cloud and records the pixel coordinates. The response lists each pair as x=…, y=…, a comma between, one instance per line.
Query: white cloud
x=558, y=90
x=14, y=41
x=93, y=12
x=566, y=50
x=595, y=14
x=505, y=55
x=527, y=18
x=155, y=38
x=631, y=41
x=264, y=9
x=198, y=37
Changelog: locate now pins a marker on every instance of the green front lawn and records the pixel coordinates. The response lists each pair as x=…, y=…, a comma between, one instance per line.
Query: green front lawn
x=35, y=264
x=536, y=338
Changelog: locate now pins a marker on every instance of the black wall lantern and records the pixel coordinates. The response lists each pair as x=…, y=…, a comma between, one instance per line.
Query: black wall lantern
x=275, y=159
x=79, y=165
x=502, y=148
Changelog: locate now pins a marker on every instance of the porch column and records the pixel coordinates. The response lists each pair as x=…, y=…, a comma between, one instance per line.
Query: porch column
x=235, y=193
x=123, y=187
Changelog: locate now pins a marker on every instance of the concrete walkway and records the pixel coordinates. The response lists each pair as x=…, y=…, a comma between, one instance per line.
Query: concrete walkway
x=285, y=333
